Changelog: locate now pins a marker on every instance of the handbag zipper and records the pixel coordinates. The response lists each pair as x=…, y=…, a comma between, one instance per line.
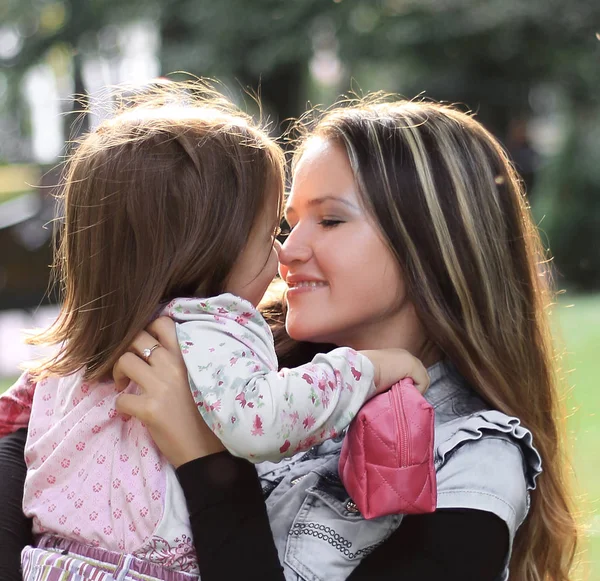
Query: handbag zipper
x=405, y=443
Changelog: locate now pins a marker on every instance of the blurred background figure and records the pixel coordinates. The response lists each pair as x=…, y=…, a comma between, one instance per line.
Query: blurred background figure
x=530, y=70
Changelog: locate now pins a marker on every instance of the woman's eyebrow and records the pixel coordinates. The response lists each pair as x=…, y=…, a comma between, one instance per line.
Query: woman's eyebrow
x=321, y=200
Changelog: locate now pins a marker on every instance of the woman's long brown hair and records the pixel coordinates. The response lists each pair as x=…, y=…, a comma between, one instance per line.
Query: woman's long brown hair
x=454, y=213
x=158, y=203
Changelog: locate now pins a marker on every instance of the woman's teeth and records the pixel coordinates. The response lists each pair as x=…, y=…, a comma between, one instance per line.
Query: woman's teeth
x=307, y=283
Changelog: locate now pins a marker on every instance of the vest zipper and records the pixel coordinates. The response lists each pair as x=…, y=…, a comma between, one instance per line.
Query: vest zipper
x=297, y=479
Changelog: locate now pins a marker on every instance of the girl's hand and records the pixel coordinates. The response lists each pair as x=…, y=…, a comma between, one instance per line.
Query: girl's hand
x=392, y=365
x=165, y=404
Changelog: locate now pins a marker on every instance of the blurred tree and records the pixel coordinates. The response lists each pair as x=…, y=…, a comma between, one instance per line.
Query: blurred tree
x=485, y=53
x=492, y=55
x=569, y=202
x=488, y=54
x=41, y=25
x=506, y=60
x=263, y=46
x=40, y=31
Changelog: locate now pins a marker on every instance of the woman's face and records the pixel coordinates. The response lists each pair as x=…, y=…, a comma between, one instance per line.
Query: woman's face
x=345, y=286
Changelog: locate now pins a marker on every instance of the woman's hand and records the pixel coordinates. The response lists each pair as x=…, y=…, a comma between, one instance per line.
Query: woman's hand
x=165, y=404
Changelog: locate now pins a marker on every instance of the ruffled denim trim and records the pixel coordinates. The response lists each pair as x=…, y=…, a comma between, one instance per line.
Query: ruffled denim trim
x=490, y=423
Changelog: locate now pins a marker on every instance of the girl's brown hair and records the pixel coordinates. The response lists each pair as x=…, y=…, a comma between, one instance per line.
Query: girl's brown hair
x=158, y=203
x=453, y=212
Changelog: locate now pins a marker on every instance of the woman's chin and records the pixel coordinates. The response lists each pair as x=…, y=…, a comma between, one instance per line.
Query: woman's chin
x=298, y=334
x=301, y=331
x=309, y=333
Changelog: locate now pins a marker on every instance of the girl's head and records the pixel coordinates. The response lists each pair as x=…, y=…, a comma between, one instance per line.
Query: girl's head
x=410, y=228
x=177, y=195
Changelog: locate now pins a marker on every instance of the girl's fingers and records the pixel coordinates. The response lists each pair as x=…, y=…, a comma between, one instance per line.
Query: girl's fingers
x=131, y=367
x=421, y=379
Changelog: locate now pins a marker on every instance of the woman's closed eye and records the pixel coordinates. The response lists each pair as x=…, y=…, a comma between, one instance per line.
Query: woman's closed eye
x=330, y=222
x=323, y=222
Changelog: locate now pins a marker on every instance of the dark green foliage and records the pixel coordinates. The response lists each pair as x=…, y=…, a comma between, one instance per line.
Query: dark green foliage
x=490, y=55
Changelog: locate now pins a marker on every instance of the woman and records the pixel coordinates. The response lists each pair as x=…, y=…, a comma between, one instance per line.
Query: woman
x=409, y=229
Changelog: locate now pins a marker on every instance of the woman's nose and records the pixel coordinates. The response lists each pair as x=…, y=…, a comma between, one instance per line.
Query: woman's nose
x=294, y=249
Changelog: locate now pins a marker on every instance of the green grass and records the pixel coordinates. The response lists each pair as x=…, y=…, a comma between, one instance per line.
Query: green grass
x=577, y=327
x=5, y=384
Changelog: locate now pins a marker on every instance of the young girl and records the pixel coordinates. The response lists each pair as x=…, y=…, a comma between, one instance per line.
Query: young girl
x=174, y=197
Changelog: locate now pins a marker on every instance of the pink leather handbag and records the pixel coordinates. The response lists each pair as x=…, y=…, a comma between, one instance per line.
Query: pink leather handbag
x=386, y=462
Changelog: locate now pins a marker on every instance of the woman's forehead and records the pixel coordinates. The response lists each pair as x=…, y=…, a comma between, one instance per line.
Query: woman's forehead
x=314, y=151
x=321, y=160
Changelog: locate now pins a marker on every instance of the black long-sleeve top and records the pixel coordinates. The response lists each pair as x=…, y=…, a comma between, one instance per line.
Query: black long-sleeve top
x=233, y=538
x=15, y=529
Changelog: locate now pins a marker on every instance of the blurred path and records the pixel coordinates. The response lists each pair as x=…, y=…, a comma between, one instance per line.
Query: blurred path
x=13, y=324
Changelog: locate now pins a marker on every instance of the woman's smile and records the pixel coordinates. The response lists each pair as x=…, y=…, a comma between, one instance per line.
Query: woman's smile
x=298, y=284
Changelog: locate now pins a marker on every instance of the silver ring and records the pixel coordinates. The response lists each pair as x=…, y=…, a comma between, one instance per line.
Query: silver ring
x=148, y=351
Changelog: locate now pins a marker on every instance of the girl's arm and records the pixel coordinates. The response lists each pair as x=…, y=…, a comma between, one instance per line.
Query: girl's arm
x=261, y=413
x=15, y=528
x=257, y=411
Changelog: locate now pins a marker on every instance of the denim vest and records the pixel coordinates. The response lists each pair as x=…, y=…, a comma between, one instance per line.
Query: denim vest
x=484, y=460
